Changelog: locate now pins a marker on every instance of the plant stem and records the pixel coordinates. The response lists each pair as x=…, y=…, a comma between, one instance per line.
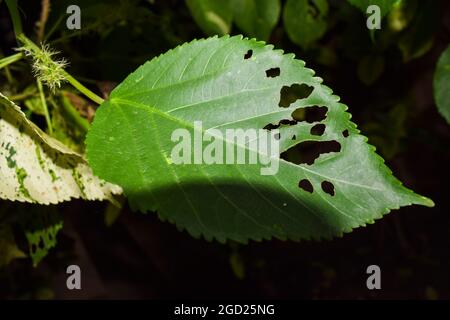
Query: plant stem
x=53, y=28
x=11, y=59
x=76, y=33
x=9, y=76
x=15, y=17
x=45, y=10
x=88, y=93
x=22, y=96
x=44, y=106
x=74, y=82
x=74, y=115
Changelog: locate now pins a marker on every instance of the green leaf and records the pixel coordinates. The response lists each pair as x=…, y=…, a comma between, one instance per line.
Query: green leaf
x=101, y=16
x=385, y=5
x=212, y=16
x=305, y=21
x=370, y=69
x=224, y=83
x=389, y=130
x=34, y=105
x=402, y=14
x=256, y=18
x=41, y=227
x=418, y=38
x=442, y=84
x=32, y=100
x=38, y=224
x=36, y=168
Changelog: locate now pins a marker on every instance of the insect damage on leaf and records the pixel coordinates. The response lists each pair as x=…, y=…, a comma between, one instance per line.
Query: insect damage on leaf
x=38, y=169
x=328, y=179
x=41, y=227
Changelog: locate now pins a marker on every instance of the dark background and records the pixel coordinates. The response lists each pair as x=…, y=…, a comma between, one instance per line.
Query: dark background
x=142, y=257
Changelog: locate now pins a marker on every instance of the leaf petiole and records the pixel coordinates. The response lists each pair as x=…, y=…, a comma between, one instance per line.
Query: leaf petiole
x=88, y=93
x=15, y=17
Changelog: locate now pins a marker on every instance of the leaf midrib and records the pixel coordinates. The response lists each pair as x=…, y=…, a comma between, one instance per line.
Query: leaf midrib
x=295, y=197
x=118, y=101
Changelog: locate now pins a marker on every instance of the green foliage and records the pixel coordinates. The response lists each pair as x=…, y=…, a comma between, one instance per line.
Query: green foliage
x=402, y=14
x=385, y=5
x=15, y=17
x=389, y=130
x=224, y=83
x=33, y=102
x=216, y=81
x=213, y=16
x=256, y=18
x=100, y=17
x=370, y=68
x=41, y=228
x=418, y=38
x=69, y=126
x=305, y=21
x=8, y=60
x=442, y=84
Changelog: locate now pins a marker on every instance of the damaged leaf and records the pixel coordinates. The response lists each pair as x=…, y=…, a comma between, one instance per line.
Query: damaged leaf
x=36, y=168
x=41, y=227
x=239, y=84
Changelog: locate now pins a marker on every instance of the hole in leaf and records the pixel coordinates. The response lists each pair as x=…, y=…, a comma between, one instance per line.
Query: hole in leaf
x=308, y=151
x=345, y=133
x=318, y=129
x=285, y=122
x=315, y=114
x=306, y=185
x=289, y=95
x=273, y=73
x=271, y=126
x=294, y=137
x=328, y=187
x=288, y=122
x=41, y=244
x=248, y=55
x=310, y=114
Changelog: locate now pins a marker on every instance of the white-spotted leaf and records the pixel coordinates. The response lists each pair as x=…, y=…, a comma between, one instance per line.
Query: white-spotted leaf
x=36, y=168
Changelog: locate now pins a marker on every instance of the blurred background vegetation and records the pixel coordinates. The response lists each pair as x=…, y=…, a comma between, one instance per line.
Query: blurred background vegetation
x=384, y=76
